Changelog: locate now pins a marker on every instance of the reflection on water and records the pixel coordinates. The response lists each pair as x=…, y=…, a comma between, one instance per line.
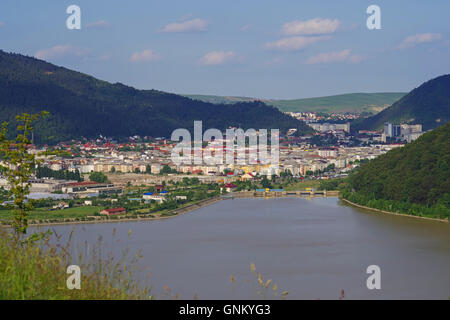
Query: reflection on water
x=313, y=248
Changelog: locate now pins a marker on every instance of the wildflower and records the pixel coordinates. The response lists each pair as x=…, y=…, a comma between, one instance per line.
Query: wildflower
x=260, y=279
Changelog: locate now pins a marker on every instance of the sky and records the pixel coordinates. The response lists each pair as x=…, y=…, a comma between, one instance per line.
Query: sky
x=256, y=48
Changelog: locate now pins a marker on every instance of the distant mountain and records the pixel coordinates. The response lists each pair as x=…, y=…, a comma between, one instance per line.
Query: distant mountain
x=413, y=179
x=428, y=105
x=83, y=106
x=350, y=102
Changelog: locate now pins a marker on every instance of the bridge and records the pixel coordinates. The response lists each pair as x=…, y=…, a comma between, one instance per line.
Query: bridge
x=275, y=193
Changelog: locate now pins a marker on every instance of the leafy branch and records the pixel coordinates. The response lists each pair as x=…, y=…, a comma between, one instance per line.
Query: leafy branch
x=18, y=165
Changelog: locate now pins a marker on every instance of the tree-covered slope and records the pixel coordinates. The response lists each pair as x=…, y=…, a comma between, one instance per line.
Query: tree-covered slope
x=83, y=106
x=418, y=173
x=429, y=105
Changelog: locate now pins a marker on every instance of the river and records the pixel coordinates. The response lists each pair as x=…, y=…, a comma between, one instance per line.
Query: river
x=313, y=248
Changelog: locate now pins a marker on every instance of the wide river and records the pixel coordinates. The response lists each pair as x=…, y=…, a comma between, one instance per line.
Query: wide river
x=313, y=248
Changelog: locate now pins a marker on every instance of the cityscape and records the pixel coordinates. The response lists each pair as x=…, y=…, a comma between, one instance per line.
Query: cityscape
x=149, y=158
x=224, y=158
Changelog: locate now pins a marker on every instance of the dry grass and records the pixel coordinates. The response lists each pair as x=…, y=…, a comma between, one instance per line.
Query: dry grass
x=38, y=271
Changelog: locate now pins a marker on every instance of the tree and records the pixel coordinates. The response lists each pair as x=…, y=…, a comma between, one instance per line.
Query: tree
x=148, y=169
x=266, y=183
x=18, y=166
x=166, y=169
x=99, y=177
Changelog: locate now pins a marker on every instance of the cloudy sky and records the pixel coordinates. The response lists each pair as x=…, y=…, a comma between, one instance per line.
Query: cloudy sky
x=257, y=48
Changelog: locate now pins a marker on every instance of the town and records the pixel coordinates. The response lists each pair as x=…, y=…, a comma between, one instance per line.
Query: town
x=138, y=173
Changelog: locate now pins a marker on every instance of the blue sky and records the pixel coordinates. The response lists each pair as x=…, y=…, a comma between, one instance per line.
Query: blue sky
x=257, y=48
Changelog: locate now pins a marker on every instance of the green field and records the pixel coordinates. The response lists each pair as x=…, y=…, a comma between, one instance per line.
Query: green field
x=45, y=213
x=301, y=185
x=351, y=102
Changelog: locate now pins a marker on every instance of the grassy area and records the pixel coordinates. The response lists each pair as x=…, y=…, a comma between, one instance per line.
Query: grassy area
x=86, y=213
x=31, y=271
x=45, y=213
x=301, y=185
x=351, y=102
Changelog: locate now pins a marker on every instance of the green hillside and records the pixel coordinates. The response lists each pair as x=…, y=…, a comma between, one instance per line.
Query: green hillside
x=429, y=105
x=414, y=179
x=351, y=102
x=83, y=106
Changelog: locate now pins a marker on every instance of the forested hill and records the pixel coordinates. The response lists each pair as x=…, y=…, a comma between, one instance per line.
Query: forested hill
x=83, y=106
x=429, y=105
x=409, y=178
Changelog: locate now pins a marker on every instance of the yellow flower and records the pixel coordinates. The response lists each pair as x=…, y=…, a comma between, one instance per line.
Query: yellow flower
x=268, y=282
x=275, y=287
x=232, y=279
x=252, y=267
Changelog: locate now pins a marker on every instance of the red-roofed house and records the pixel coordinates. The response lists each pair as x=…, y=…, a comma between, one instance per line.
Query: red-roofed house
x=247, y=176
x=113, y=211
x=230, y=187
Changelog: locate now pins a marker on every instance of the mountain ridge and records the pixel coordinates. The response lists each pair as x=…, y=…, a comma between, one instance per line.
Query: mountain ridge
x=347, y=102
x=82, y=106
x=428, y=104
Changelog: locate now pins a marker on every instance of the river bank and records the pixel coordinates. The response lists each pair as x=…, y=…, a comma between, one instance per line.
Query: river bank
x=393, y=213
x=166, y=215
x=187, y=208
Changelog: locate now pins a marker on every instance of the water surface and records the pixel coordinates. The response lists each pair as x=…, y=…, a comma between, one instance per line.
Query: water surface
x=314, y=248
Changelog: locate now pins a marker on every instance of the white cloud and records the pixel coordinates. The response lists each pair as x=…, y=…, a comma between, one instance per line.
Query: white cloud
x=311, y=27
x=145, y=55
x=194, y=25
x=98, y=24
x=60, y=51
x=419, y=38
x=294, y=43
x=337, y=56
x=217, y=57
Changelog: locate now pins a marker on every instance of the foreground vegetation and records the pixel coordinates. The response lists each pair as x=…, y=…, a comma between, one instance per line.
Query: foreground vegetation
x=31, y=270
